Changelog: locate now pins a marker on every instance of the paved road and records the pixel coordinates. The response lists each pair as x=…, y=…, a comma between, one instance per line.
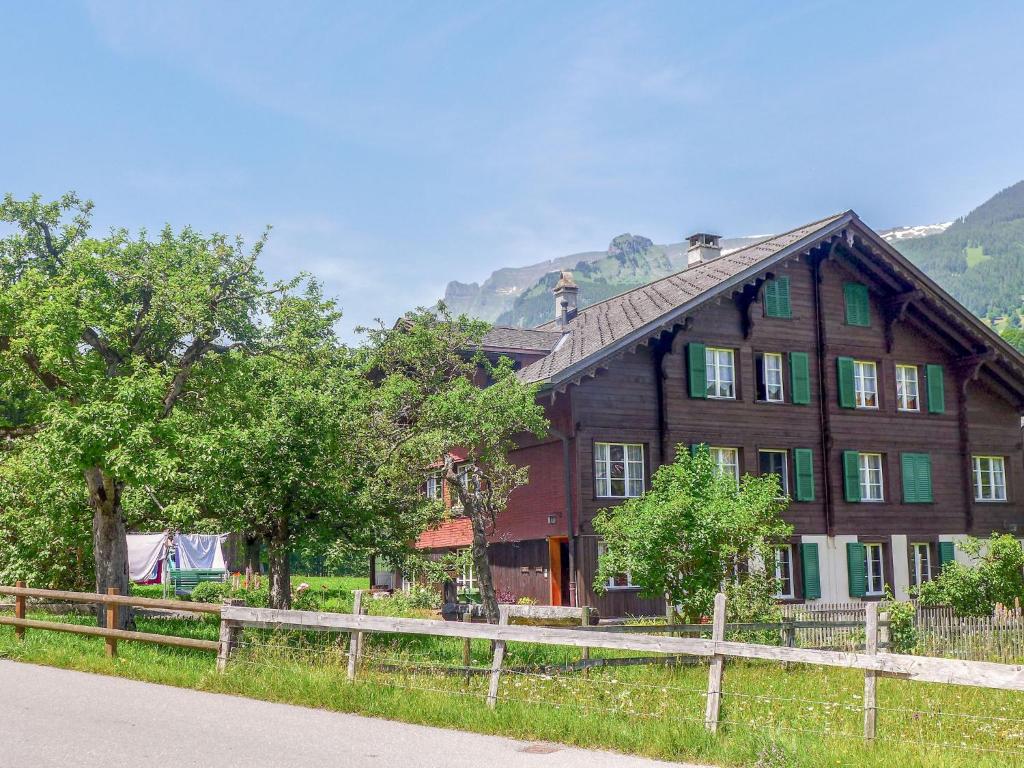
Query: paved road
x=55, y=717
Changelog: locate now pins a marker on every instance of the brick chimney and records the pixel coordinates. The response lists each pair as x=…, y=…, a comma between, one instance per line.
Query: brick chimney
x=565, y=299
x=703, y=247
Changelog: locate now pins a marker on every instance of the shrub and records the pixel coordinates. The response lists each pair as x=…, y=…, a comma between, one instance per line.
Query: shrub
x=526, y=601
x=997, y=577
x=902, y=631
x=210, y=591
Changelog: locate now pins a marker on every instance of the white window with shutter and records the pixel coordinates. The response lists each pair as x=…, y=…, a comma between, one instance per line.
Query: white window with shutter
x=619, y=470
x=784, y=572
x=874, y=572
x=989, y=478
x=907, y=398
x=727, y=461
x=865, y=383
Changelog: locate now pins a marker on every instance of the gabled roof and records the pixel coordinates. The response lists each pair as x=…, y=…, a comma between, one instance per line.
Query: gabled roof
x=608, y=326
x=622, y=322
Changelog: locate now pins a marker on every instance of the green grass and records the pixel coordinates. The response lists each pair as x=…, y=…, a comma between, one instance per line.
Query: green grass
x=975, y=255
x=772, y=717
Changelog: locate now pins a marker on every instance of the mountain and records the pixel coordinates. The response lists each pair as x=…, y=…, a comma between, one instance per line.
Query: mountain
x=522, y=295
x=979, y=258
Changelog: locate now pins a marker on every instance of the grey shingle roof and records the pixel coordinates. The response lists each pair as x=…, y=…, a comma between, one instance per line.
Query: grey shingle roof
x=502, y=337
x=602, y=328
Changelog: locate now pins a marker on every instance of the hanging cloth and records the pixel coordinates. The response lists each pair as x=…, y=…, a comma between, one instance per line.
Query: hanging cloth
x=145, y=552
x=199, y=552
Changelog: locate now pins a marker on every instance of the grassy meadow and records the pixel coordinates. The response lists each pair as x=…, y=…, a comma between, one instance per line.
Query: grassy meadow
x=772, y=717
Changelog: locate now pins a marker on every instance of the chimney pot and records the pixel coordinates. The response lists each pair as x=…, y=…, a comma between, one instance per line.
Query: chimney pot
x=565, y=291
x=703, y=247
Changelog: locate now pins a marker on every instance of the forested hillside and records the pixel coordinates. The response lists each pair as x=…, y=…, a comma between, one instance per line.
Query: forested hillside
x=979, y=259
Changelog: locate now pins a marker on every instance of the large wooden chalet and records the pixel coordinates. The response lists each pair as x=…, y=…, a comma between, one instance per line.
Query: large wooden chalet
x=890, y=412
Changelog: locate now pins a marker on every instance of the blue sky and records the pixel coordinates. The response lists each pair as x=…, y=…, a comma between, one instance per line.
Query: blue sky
x=394, y=146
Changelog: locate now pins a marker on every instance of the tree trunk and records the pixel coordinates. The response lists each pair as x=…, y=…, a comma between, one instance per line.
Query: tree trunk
x=482, y=565
x=253, y=547
x=280, y=567
x=109, y=542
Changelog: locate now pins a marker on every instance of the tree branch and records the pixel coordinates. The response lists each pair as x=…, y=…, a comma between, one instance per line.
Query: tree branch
x=110, y=355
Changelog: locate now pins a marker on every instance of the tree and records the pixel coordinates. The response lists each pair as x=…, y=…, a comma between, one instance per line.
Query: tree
x=997, y=576
x=440, y=407
x=107, y=334
x=692, y=532
x=1014, y=335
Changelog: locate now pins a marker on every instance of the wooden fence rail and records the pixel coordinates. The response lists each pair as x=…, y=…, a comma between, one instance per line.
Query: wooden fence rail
x=111, y=603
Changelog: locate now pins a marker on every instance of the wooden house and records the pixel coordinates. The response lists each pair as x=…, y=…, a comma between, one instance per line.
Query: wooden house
x=891, y=414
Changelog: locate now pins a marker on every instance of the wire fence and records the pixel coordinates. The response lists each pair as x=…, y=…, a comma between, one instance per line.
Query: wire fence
x=760, y=698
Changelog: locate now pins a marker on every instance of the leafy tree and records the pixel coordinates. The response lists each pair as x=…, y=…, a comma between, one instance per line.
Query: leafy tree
x=1015, y=336
x=997, y=576
x=439, y=407
x=106, y=335
x=691, y=532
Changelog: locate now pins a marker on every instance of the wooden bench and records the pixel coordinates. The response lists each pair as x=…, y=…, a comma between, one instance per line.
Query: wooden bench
x=184, y=582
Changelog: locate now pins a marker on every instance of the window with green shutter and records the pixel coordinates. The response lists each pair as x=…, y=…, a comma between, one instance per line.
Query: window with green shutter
x=845, y=378
x=947, y=553
x=856, y=562
x=917, y=478
x=776, y=298
x=936, y=389
x=803, y=461
x=851, y=475
x=858, y=310
x=811, y=571
x=697, y=366
x=800, y=378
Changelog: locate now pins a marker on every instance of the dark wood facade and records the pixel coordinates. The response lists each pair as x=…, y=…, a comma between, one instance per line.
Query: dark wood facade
x=641, y=396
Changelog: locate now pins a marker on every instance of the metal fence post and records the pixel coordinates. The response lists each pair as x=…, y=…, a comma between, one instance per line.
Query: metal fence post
x=717, y=667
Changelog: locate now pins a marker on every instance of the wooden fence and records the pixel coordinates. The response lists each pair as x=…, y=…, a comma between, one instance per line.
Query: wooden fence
x=110, y=603
x=873, y=661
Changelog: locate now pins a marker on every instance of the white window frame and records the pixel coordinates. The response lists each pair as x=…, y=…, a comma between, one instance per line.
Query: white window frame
x=466, y=580
x=784, y=477
x=872, y=576
x=435, y=487
x=922, y=564
x=602, y=549
x=907, y=388
x=784, y=560
x=632, y=468
x=717, y=361
x=865, y=472
x=861, y=378
x=776, y=358
x=996, y=471
x=719, y=453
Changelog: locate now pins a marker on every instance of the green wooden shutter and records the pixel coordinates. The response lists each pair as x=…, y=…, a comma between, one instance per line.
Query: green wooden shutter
x=855, y=568
x=697, y=364
x=936, y=389
x=844, y=375
x=799, y=378
x=803, y=459
x=811, y=571
x=851, y=475
x=947, y=553
x=917, y=477
x=776, y=298
x=857, y=306
x=695, y=448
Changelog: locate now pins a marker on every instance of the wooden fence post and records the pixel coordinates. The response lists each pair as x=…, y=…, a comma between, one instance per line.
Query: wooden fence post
x=111, y=611
x=19, y=610
x=355, y=638
x=884, y=636
x=229, y=633
x=714, y=703
x=585, y=655
x=467, y=644
x=499, y=658
x=870, y=676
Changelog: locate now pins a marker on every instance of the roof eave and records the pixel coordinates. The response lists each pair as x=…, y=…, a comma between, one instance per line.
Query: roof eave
x=646, y=330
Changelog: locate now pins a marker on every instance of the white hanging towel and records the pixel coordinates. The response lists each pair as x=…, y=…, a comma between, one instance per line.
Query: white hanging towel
x=145, y=551
x=199, y=552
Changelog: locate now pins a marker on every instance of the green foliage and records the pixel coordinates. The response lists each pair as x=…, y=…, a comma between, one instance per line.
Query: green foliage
x=996, y=576
x=1014, y=335
x=216, y=591
x=685, y=536
x=902, y=628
